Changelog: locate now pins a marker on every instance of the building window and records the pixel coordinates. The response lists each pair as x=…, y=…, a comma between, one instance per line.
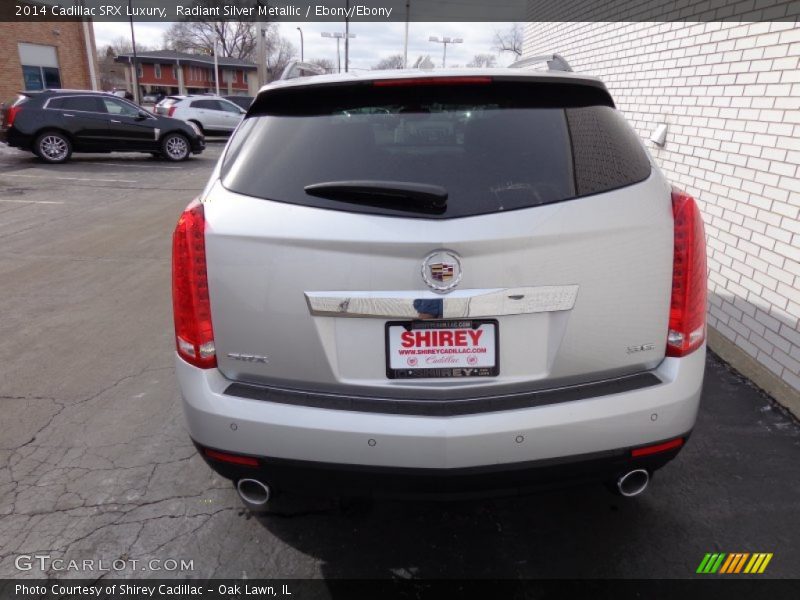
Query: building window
x=39, y=66
x=157, y=70
x=139, y=71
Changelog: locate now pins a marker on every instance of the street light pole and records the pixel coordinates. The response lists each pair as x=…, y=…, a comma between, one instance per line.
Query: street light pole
x=444, y=41
x=302, y=58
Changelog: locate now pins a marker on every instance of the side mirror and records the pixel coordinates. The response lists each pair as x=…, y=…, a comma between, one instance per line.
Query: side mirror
x=142, y=115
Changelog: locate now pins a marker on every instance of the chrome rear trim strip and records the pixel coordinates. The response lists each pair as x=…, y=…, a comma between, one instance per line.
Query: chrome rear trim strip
x=459, y=304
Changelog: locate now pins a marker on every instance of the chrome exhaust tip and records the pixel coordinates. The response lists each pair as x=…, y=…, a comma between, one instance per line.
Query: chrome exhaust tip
x=254, y=494
x=633, y=483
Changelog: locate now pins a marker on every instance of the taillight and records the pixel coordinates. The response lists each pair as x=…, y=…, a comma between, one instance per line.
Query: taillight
x=11, y=114
x=171, y=111
x=687, y=311
x=194, y=335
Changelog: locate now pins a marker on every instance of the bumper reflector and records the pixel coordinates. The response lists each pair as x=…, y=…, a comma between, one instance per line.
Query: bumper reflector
x=247, y=461
x=663, y=447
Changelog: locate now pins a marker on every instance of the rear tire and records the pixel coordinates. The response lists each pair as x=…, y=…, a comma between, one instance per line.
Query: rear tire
x=175, y=147
x=53, y=147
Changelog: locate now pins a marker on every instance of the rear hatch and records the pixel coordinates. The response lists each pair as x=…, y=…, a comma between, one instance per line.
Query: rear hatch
x=162, y=108
x=359, y=232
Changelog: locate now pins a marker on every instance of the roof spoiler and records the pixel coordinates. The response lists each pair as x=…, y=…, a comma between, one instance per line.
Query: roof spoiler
x=297, y=68
x=555, y=62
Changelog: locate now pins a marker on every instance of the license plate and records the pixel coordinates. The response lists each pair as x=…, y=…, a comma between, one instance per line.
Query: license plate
x=457, y=348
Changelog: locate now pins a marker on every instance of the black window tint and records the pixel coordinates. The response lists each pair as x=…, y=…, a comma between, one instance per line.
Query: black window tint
x=493, y=147
x=606, y=150
x=83, y=103
x=207, y=104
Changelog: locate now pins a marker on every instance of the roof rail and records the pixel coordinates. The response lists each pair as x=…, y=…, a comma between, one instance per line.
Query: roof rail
x=298, y=68
x=555, y=62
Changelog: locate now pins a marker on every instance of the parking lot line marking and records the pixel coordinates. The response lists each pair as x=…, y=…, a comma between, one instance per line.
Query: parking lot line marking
x=105, y=164
x=32, y=201
x=70, y=178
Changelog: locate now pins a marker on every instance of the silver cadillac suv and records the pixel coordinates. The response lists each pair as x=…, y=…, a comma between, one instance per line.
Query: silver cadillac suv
x=437, y=283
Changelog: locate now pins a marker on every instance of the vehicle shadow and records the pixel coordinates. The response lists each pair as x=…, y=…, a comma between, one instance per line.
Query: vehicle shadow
x=567, y=533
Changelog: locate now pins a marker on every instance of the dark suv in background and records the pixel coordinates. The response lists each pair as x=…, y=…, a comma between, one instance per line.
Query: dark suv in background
x=54, y=123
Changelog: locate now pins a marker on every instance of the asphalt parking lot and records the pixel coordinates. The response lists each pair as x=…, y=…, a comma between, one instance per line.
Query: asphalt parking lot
x=95, y=462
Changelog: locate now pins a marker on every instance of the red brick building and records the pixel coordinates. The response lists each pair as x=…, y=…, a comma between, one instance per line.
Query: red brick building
x=38, y=55
x=171, y=72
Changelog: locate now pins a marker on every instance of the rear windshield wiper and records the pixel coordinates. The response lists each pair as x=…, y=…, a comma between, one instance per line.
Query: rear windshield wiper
x=397, y=195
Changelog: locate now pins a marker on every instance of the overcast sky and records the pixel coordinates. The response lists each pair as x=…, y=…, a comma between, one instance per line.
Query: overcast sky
x=373, y=41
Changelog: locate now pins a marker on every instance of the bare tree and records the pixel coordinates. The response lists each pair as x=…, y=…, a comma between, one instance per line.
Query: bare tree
x=112, y=73
x=280, y=52
x=423, y=62
x=390, y=62
x=483, y=60
x=236, y=39
x=510, y=40
x=325, y=63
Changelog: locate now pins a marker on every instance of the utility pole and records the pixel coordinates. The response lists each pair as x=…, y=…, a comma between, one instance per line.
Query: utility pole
x=338, y=36
x=216, y=66
x=405, y=37
x=444, y=41
x=260, y=50
x=346, y=36
x=261, y=62
x=135, y=60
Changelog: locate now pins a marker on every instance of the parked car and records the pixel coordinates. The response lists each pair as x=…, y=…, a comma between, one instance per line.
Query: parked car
x=152, y=98
x=242, y=102
x=212, y=114
x=467, y=281
x=55, y=123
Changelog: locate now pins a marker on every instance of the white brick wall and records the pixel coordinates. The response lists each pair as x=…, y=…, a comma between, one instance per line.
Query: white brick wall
x=730, y=94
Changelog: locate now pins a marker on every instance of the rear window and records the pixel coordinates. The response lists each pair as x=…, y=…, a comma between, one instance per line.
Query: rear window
x=207, y=104
x=493, y=147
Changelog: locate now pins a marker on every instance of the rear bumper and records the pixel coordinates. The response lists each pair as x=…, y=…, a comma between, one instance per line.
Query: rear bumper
x=13, y=138
x=568, y=431
x=329, y=479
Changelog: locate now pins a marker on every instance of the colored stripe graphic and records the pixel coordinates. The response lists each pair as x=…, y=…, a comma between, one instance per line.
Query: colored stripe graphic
x=741, y=562
x=711, y=563
x=704, y=563
x=734, y=563
x=764, y=564
x=732, y=558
